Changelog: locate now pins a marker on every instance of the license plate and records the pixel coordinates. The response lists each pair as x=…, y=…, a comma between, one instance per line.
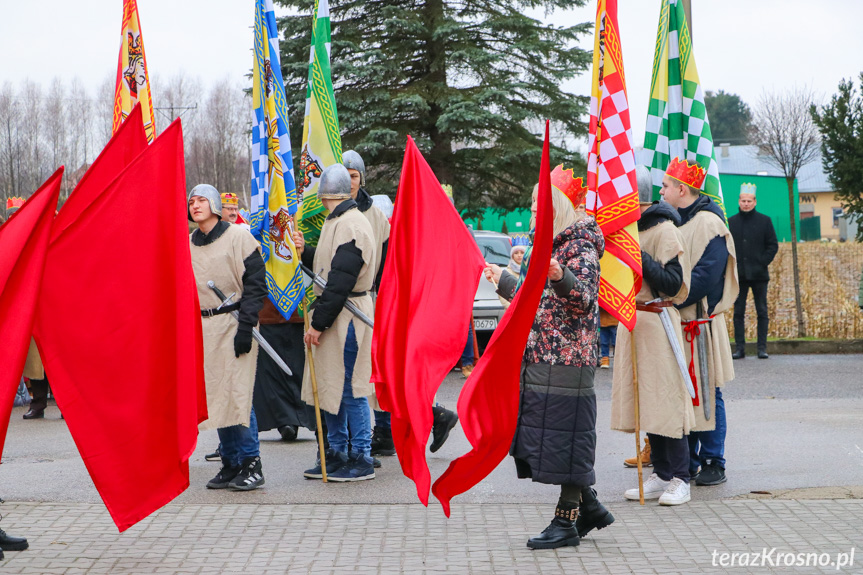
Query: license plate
x=485, y=324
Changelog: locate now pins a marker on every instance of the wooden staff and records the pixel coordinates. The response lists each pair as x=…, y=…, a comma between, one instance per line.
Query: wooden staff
x=637, y=420
x=315, y=394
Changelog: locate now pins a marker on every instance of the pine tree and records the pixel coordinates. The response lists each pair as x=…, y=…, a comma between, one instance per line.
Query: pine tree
x=471, y=82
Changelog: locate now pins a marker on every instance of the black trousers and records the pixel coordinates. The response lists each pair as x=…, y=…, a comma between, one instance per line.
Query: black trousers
x=759, y=294
x=670, y=457
x=39, y=391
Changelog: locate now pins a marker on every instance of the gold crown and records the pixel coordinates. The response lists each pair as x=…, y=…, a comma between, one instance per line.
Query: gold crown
x=230, y=200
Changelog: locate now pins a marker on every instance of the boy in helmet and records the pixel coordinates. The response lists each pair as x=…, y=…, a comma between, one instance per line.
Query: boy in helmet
x=228, y=256
x=341, y=345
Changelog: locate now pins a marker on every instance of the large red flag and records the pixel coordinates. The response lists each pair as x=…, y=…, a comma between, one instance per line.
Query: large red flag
x=122, y=342
x=488, y=404
x=423, y=309
x=23, y=245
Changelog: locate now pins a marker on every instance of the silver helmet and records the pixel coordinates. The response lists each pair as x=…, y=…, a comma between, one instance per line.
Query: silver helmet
x=353, y=161
x=211, y=194
x=335, y=183
x=645, y=186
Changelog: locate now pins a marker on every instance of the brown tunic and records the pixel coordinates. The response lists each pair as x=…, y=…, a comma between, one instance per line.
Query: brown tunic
x=329, y=355
x=665, y=407
x=229, y=380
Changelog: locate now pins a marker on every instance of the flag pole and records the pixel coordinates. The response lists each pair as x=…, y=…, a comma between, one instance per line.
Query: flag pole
x=314, y=379
x=637, y=421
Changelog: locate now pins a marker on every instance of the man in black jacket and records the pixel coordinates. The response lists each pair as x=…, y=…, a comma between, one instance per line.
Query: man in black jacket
x=756, y=244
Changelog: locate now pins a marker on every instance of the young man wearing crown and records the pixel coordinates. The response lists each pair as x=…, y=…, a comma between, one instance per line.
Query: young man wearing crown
x=665, y=412
x=712, y=291
x=230, y=257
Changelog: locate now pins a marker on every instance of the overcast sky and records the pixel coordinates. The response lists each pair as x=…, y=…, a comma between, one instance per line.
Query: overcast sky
x=741, y=46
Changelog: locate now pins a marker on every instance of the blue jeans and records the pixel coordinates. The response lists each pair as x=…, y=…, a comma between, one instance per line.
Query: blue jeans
x=238, y=442
x=467, y=355
x=711, y=443
x=353, y=413
x=607, y=336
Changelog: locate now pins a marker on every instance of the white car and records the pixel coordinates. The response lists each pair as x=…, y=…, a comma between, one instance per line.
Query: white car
x=487, y=309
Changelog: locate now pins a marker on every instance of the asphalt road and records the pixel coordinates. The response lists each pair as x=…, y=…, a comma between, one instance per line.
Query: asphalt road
x=794, y=421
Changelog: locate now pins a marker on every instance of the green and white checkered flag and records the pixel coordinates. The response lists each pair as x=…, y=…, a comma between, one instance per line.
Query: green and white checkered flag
x=677, y=125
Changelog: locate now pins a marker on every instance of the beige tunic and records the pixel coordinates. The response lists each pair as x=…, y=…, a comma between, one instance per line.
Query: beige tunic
x=329, y=355
x=229, y=380
x=665, y=407
x=697, y=233
x=33, y=368
x=381, y=231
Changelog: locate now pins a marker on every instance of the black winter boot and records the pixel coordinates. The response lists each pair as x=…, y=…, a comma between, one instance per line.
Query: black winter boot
x=561, y=532
x=9, y=543
x=444, y=421
x=382, y=441
x=592, y=514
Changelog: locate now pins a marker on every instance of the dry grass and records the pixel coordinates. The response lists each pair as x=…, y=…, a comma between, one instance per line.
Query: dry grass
x=829, y=283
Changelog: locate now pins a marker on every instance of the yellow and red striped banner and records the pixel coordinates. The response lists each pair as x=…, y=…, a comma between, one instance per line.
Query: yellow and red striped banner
x=133, y=81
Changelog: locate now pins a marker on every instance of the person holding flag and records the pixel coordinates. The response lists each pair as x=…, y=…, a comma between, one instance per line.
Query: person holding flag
x=665, y=410
x=713, y=290
x=558, y=402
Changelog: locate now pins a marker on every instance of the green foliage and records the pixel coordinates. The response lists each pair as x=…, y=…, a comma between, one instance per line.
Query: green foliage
x=730, y=118
x=470, y=81
x=841, y=126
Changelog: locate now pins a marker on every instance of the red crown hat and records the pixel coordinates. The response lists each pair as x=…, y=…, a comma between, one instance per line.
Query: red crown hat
x=14, y=203
x=690, y=174
x=572, y=187
x=230, y=200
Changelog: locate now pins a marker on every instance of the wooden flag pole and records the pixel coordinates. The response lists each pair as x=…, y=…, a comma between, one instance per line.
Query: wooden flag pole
x=315, y=395
x=637, y=420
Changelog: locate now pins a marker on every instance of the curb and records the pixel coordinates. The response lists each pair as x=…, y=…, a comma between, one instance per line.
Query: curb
x=805, y=347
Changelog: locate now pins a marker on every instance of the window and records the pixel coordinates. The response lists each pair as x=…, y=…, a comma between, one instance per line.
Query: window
x=837, y=213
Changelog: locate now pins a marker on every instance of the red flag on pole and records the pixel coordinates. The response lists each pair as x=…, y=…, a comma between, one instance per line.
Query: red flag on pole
x=423, y=309
x=488, y=404
x=129, y=384
x=23, y=246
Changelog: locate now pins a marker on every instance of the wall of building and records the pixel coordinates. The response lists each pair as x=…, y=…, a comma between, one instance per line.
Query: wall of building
x=772, y=195
x=823, y=204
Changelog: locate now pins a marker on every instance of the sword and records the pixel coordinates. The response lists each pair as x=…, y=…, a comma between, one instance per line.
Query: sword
x=349, y=305
x=255, y=333
x=702, y=360
x=668, y=326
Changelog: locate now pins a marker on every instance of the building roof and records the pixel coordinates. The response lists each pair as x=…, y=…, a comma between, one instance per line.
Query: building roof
x=746, y=161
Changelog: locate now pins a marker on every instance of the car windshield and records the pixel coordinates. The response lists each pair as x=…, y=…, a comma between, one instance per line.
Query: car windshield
x=495, y=249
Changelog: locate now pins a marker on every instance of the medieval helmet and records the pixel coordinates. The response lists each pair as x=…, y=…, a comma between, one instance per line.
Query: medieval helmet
x=353, y=161
x=335, y=183
x=211, y=194
x=645, y=186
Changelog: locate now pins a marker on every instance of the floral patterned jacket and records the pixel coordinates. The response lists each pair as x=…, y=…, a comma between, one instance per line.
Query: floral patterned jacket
x=565, y=330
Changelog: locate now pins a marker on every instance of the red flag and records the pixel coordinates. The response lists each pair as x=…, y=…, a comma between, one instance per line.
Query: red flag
x=423, y=309
x=122, y=342
x=488, y=404
x=23, y=245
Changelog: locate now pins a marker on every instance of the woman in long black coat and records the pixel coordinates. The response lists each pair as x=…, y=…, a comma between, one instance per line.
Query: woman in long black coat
x=555, y=441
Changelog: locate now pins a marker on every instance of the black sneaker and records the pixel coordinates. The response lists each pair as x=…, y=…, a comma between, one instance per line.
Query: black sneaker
x=382, y=442
x=358, y=468
x=376, y=462
x=224, y=477
x=711, y=474
x=334, y=461
x=215, y=456
x=9, y=543
x=250, y=476
x=444, y=421
x=288, y=432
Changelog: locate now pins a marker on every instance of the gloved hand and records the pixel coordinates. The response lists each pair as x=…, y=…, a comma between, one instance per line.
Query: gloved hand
x=243, y=339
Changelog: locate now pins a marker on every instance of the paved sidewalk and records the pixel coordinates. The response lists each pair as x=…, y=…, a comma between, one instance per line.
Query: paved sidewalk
x=478, y=539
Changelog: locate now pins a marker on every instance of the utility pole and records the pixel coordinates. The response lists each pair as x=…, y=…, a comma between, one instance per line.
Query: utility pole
x=169, y=111
x=687, y=9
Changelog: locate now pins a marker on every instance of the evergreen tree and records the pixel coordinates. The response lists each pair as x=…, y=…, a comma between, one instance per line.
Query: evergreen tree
x=730, y=118
x=841, y=126
x=471, y=82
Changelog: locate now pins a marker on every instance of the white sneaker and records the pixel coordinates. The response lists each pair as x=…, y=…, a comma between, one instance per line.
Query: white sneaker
x=654, y=487
x=677, y=493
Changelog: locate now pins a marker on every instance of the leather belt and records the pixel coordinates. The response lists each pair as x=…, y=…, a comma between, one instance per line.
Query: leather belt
x=357, y=293
x=655, y=307
x=219, y=311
